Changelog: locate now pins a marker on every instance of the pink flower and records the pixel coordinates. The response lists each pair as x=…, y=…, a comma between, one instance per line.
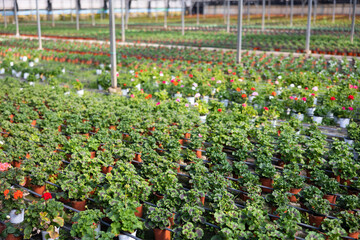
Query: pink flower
x=315, y=89
x=197, y=95
x=355, y=87
x=4, y=167
x=213, y=79
x=232, y=80
x=200, y=135
x=172, y=80
x=132, y=79
x=164, y=82
x=304, y=99
x=254, y=94
x=178, y=100
x=266, y=109
x=117, y=74
x=313, y=94
x=276, y=82
x=244, y=104
x=187, y=105
x=351, y=109
x=158, y=103
x=218, y=81
x=343, y=108
x=132, y=95
x=291, y=97
x=10, y=49
x=182, y=86
x=351, y=86
x=229, y=71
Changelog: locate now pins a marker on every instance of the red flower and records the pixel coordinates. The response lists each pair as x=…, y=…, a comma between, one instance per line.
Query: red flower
x=306, y=88
x=190, y=75
x=266, y=108
x=46, y=196
x=351, y=97
x=6, y=192
x=219, y=110
x=18, y=194
x=253, y=88
x=243, y=95
x=125, y=84
x=273, y=93
x=332, y=98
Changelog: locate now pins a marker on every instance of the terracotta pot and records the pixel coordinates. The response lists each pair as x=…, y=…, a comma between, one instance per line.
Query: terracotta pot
x=12, y=237
x=79, y=205
x=202, y=199
x=273, y=209
x=292, y=198
x=198, y=153
x=16, y=164
x=354, y=235
x=267, y=182
x=38, y=189
x=316, y=220
x=330, y=198
x=139, y=212
x=162, y=234
x=137, y=157
x=92, y=155
x=172, y=220
x=181, y=141
x=33, y=123
x=112, y=127
x=106, y=170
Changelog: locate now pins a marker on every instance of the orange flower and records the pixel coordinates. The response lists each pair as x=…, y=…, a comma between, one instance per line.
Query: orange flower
x=18, y=194
x=243, y=95
x=238, y=89
x=273, y=93
x=148, y=96
x=175, y=83
x=6, y=192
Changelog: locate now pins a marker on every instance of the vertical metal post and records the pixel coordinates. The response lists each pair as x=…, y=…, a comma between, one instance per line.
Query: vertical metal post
x=291, y=12
x=308, y=28
x=197, y=13
x=38, y=24
x=16, y=19
x=92, y=13
x=122, y=21
x=52, y=15
x=228, y=17
x=112, y=44
x=248, y=11
x=302, y=7
x=182, y=17
x=333, y=14
x=165, y=14
x=353, y=22
x=5, y=21
x=127, y=13
x=239, y=31
x=269, y=10
x=204, y=4
x=263, y=16
x=224, y=11
x=77, y=15
x=315, y=10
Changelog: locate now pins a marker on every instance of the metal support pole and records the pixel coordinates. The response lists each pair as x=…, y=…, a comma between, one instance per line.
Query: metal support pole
x=127, y=13
x=239, y=31
x=353, y=22
x=182, y=17
x=5, y=21
x=248, y=11
x=165, y=14
x=291, y=12
x=333, y=14
x=122, y=21
x=315, y=11
x=302, y=7
x=269, y=10
x=77, y=15
x=224, y=11
x=38, y=24
x=228, y=17
x=16, y=19
x=52, y=16
x=308, y=28
x=92, y=13
x=204, y=3
x=197, y=13
x=263, y=16
x=112, y=44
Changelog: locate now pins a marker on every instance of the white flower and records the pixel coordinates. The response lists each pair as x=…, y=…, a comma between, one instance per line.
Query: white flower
x=240, y=80
x=1, y=142
x=279, y=77
x=197, y=95
x=131, y=71
x=280, y=88
x=193, y=88
x=195, y=104
x=271, y=97
x=195, y=85
x=218, y=81
x=299, y=86
x=132, y=80
x=154, y=77
x=7, y=217
x=161, y=74
x=276, y=82
x=292, y=85
x=315, y=89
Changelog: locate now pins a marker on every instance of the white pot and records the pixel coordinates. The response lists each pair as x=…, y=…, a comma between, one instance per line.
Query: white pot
x=349, y=141
x=44, y=233
x=191, y=100
x=251, y=98
x=203, y=119
x=13, y=72
x=310, y=111
x=36, y=60
x=100, y=87
x=330, y=115
x=11, y=64
x=125, y=237
x=63, y=70
x=177, y=95
x=66, y=93
x=102, y=65
x=98, y=71
x=315, y=101
x=37, y=76
x=16, y=218
x=124, y=92
x=318, y=120
x=32, y=83
x=206, y=99
x=298, y=132
x=298, y=116
x=80, y=92
x=343, y=122
x=225, y=102
x=2, y=71
x=138, y=86
x=18, y=75
x=273, y=123
x=31, y=64
x=26, y=75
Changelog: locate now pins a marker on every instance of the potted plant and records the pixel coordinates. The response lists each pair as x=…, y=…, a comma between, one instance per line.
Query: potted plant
x=86, y=224
x=266, y=172
x=295, y=181
x=319, y=114
x=328, y=185
x=158, y=219
x=350, y=222
x=320, y=208
x=188, y=218
x=353, y=130
x=333, y=229
x=45, y=216
x=12, y=232
x=79, y=87
x=14, y=204
x=202, y=109
x=104, y=80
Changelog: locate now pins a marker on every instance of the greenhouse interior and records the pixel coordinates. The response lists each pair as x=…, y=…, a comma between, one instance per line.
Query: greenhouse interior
x=179, y=119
